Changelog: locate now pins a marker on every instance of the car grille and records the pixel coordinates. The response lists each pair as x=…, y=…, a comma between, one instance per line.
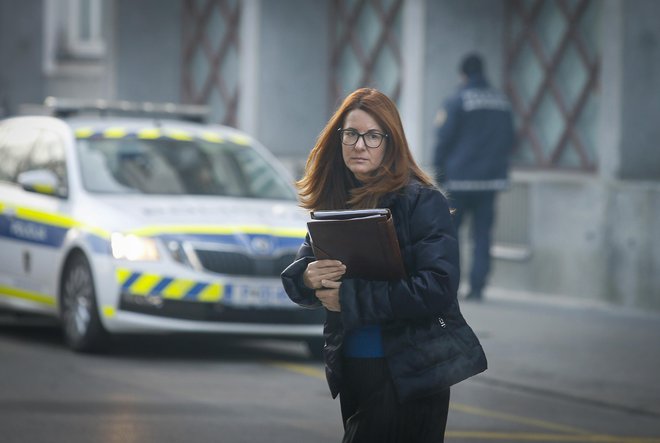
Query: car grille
x=236, y=263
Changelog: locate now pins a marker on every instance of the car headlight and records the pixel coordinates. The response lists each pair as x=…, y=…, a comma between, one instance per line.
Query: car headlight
x=134, y=248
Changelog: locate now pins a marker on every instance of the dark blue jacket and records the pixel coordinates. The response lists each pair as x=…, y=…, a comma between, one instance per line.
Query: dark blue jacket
x=475, y=142
x=428, y=345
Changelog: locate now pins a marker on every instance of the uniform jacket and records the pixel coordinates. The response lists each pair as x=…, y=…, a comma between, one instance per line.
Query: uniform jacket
x=475, y=141
x=428, y=345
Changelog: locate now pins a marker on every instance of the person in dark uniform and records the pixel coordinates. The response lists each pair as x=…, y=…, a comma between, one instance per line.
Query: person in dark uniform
x=472, y=153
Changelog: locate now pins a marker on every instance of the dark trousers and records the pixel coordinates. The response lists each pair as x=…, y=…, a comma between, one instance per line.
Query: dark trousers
x=372, y=413
x=480, y=207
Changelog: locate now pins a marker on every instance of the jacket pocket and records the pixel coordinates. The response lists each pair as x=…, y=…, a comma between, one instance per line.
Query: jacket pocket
x=428, y=345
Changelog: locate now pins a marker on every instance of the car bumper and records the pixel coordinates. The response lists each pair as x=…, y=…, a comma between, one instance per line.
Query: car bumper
x=124, y=322
x=153, y=297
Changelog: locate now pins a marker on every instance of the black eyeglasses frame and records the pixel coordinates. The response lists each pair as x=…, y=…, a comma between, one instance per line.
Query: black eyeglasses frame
x=341, y=133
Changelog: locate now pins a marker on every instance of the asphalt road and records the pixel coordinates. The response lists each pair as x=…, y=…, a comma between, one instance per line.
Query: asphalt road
x=213, y=389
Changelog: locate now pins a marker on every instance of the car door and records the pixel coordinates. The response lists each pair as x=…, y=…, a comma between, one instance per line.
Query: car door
x=33, y=224
x=15, y=144
x=52, y=214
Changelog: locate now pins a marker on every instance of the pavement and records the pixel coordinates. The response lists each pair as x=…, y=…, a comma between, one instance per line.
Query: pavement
x=584, y=351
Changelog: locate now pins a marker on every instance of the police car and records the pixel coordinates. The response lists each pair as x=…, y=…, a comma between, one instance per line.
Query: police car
x=148, y=223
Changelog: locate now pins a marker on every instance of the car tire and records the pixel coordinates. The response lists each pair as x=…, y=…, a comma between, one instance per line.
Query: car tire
x=81, y=324
x=315, y=347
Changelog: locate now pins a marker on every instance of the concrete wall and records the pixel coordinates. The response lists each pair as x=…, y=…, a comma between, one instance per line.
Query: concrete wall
x=633, y=259
x=633, y=217
x=21, y=42
x=148, y=52
x=568, y=240
x=596, y=236
x=640, y=107
x=630, y=83
x=72, y=76
x=293, y=76
x=589, y=239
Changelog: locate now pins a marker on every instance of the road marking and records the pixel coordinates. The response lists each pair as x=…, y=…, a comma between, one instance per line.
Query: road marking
x=526, y=436
x=572, y=434
x=300, y=369
x=516, y=419
x=314, y=372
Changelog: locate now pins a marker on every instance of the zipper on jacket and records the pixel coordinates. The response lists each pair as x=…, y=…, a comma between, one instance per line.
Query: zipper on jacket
x=442, y=322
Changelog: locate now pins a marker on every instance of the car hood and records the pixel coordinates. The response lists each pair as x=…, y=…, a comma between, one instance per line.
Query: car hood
x=154, y=215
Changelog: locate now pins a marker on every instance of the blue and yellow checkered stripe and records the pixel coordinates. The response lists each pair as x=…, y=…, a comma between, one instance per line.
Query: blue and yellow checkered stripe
x=147, y=284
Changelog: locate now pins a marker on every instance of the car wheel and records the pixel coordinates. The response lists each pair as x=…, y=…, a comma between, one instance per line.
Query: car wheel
x=315, y=347
x=83, y=331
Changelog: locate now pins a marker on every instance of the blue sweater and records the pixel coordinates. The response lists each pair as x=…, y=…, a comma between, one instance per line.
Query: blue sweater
x=364, y=342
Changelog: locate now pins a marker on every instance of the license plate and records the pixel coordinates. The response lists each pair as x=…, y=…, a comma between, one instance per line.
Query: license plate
x=257, y=296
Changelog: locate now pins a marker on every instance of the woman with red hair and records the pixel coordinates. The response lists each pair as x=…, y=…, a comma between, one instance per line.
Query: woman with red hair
x=392, y=347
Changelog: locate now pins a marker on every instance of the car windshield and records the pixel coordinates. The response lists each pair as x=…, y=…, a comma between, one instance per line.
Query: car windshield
x=176, y=167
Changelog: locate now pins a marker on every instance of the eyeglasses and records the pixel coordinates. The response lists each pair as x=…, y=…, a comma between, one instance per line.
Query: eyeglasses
x=372, y=139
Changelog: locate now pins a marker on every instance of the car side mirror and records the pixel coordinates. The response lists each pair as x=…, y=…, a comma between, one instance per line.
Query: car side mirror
x=41, y=181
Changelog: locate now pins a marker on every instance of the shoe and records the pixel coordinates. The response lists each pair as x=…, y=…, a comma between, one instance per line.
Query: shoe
x=474, y=296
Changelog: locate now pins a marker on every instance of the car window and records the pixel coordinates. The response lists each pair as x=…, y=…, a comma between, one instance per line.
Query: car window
x=178, y=167
x=16, y=142
x=47, y=153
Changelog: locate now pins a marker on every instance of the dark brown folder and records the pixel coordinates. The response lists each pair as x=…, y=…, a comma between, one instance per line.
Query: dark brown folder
x=364, y=240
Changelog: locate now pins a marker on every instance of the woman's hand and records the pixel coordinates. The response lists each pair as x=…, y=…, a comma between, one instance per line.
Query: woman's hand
x=320, y=270
x=329, y=296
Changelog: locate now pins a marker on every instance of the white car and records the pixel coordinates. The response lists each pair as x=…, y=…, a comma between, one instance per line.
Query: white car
x=120, y=225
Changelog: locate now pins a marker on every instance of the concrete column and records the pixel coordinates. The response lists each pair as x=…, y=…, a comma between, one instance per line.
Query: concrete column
x=640, y=141
x=412, y=93
x=148, y=53
x=21, y=49
x=293, y=76
x=610, y=90
x=248, y=114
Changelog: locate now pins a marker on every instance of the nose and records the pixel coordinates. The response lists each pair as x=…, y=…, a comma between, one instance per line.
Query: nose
x=360, y=143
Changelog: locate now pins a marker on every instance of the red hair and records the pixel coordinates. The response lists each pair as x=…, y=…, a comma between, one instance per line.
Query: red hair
x=329, y=184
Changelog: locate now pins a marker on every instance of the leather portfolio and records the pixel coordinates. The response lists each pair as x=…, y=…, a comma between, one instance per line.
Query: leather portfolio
x=363, y=239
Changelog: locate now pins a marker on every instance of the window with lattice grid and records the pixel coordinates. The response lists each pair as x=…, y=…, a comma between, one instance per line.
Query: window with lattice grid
x=551, y=74
x=366, y=47
x=211, y=56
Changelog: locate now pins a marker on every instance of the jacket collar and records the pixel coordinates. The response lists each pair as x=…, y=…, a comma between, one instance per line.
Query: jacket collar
x=477, y=81
x=388, y=199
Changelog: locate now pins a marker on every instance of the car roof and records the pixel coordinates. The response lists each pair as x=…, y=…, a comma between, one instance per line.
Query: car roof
x=131, y=123
x=124, y=116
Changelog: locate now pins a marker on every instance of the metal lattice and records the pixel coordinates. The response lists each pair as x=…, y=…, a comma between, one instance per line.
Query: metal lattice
x=210, y=56
x=366, y=49
x=551, y=74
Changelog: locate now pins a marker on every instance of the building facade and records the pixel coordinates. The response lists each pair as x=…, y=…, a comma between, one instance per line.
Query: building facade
x=583, y=215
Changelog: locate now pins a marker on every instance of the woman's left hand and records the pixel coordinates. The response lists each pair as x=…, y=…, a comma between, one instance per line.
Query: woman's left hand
x=329, y=295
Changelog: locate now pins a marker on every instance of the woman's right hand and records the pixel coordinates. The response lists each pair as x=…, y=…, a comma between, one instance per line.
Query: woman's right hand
x=322, y=270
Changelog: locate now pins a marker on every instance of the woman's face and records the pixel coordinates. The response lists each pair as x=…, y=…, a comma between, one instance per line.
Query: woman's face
x=358, y=158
